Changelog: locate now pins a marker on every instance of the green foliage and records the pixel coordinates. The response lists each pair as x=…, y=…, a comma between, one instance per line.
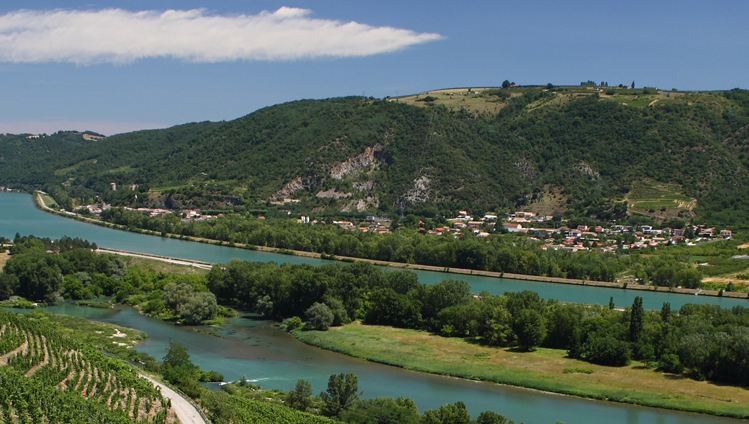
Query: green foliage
x=455, y=413
x=301, y=397
x=588, y=149
x=319, y=316
x=177, y=369
x=383, y=410
x=51, y=381
x=530, y=329
x=342, y=393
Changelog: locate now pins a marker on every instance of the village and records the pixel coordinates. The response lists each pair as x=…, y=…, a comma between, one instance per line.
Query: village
x=540, y=229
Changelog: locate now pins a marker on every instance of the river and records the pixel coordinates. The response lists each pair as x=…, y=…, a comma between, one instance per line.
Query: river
x=264, y=354
x=19, y=215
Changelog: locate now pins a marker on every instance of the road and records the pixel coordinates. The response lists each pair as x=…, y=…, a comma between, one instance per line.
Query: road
x=186, y=413
x=196, y=264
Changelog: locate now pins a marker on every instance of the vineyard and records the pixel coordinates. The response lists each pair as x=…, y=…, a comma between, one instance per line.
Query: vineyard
x=47, y=378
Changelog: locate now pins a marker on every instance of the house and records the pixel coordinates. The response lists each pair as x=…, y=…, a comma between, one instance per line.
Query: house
x=582, y=228
x=678, y=232
x=490, y=217
x=646, y=229
x=726, y=233
x=475, y=224
x=512, y=227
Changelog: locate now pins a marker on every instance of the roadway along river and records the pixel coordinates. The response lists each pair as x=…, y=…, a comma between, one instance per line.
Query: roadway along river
x=19, y=215
x=263, y=353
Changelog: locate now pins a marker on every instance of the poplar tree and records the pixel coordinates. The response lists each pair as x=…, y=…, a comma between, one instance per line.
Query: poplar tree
x=635, y=320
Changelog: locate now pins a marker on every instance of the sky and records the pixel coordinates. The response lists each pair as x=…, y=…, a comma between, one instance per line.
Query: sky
x=116, y=66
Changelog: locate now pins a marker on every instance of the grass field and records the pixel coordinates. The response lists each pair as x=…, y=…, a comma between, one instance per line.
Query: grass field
x=160, y=266
x=546, y=369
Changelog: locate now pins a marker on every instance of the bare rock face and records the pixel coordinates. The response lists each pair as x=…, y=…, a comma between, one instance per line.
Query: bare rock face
x=366, y=161
x=527, y=170
x=587, y=170
x=298, y=183
x=361, y=205
x=356, y=163
x=332, y=194
x=364, y=186
x=420, y=191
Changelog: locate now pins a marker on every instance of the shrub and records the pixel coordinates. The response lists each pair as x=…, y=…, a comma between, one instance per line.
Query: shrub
x=319, y=316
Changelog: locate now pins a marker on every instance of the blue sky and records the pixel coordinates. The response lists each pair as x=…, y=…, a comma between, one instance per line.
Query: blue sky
x=122, y=73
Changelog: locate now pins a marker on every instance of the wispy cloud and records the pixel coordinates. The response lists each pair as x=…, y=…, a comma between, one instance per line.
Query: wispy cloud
x=121, y=36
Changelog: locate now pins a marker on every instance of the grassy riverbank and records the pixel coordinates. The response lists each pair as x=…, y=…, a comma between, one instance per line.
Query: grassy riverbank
x=546, y=369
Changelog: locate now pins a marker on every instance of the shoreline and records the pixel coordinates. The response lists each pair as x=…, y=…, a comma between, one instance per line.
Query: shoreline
x=612, y=394
x=398, y=265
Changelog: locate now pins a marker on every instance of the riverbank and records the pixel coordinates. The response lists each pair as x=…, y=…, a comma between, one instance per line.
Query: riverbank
x=546, y=370
x=398, y=265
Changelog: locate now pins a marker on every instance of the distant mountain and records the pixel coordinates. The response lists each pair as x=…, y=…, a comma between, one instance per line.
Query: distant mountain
x=596, y=151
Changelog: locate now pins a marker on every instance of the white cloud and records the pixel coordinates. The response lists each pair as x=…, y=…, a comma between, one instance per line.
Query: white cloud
x=121, y=36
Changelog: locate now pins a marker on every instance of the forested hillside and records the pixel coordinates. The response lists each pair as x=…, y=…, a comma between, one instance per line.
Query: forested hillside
x=583, y=151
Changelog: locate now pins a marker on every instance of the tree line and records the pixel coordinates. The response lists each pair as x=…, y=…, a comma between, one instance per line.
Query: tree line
x=498, y=252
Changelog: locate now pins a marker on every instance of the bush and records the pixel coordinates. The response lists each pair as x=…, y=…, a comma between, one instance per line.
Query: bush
x=670, y=363
x=607, y=351
x=293, y=323
x=319, y=316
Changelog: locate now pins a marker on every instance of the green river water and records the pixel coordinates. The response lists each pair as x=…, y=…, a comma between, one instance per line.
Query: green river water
x=271, y=358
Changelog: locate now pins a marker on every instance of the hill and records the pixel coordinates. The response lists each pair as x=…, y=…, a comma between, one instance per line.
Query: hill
x=602, y=152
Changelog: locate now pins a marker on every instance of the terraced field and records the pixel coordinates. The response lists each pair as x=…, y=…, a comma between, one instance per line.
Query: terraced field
x=47, y=378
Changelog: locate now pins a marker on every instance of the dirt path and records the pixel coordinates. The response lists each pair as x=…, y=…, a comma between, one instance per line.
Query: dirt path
x=196, y=264
x=185, y=411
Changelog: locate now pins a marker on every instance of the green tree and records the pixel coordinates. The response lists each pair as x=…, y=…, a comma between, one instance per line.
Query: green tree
x=343, y=391
x=636, y=320
x=382, y=410
x=666, y=312
x=490, y=417
x=200, y=307
x=177, y=369
x=530, y=329
x=301, y=396
x=455, y=413
x=319, y=316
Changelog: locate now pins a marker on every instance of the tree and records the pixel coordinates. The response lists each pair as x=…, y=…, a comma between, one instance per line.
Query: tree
x=636, y=320
x=264, y=306
x=490, y=417
x=202, y=306
x=633, y=84
x=611, y=303
x=607, y=351
x=301, y=396
x=666, y=312
x=506, y=84
x=455, y=413
x=343, y=391
x=530, y=329
x=319, y=316
x=180, y=371
x=382, y=410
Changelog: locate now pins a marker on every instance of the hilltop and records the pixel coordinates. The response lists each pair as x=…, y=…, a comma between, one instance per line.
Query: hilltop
x=596, y=151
